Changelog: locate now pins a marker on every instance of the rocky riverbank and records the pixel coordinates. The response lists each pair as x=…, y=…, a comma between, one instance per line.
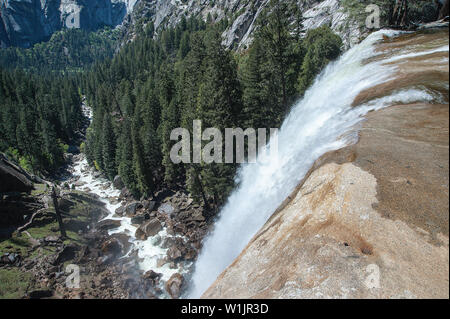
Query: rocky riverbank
x=161, y=234
x=124, y=248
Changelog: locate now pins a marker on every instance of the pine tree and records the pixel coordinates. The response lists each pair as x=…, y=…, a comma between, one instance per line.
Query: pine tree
x=322, y=46
x=125, y=156
x=109, y=147
x=257, y=97
x=279, y=37
x=218, y=105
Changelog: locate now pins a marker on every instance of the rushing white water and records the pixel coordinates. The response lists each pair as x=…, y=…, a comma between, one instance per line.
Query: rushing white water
x=322, y=121
x=148, y=250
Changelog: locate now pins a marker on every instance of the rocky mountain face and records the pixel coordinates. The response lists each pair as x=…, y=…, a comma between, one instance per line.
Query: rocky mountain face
x=242, y=16
x=25, y=22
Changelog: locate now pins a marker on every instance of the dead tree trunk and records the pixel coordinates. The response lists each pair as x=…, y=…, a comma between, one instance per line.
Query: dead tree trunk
x=58, y=213
x=444, y=10
x=399, y=16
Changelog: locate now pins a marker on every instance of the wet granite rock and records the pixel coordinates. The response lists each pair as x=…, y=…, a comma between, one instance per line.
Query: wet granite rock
x=148, y=229
x=118, y=183
x=174, y=285
x=108, y=224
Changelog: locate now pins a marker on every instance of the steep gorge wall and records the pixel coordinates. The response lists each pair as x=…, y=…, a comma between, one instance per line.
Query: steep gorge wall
x=242, y=16
x=25, y=22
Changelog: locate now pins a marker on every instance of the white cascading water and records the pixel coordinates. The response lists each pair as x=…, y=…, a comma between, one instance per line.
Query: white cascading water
x=148, y=251
x=322, y=121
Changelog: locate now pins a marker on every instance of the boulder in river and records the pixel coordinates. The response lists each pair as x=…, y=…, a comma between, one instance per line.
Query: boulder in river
x=108, y=224
x=148, y=204
x=174, y=285
x=120, y=210
x=148, y=229
x=14, y=178
x=118, y=183
x=116, y=244
x=174, y=253
x=130, y=209
x=152, y=276
x=140, y=218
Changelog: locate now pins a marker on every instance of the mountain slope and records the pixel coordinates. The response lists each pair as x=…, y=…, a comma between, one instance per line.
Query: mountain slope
x=241, y=17
x=25, y=22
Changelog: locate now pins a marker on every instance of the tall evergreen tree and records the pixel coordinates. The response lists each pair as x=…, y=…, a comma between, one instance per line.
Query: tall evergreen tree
x=109, y=147
x=125, y=156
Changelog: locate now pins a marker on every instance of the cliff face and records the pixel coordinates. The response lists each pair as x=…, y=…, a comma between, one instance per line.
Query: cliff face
x=25, y=22
x=242, y=16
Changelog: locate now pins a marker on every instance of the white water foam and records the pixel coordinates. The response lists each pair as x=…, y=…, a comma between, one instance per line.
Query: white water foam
x=148, y=252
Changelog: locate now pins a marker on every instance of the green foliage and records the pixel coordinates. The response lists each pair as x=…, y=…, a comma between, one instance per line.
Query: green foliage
x=273, y=64
x=64, y=147
x=69, y=50
x=38, y=118
x=83, y=147
x=108, y=147
x=152, y=85
x=13, y=283
x=322, y=46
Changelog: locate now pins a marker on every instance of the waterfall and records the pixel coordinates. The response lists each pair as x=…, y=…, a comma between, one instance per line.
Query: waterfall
x=322, y=121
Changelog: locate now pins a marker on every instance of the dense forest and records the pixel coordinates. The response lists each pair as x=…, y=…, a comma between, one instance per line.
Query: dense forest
x=38, y=119
x=164, y=81
x=67, y=51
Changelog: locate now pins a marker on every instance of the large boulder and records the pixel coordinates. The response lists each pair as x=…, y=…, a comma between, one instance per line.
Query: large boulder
x=148, y=204
x=116, y=244
x=108, y=224
x=148, y=229
x=140, y=218
x=118, y=183
x=120, y=210
x=174, y=285
x=14, y=178
x=130, y=209
x=174, y=253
